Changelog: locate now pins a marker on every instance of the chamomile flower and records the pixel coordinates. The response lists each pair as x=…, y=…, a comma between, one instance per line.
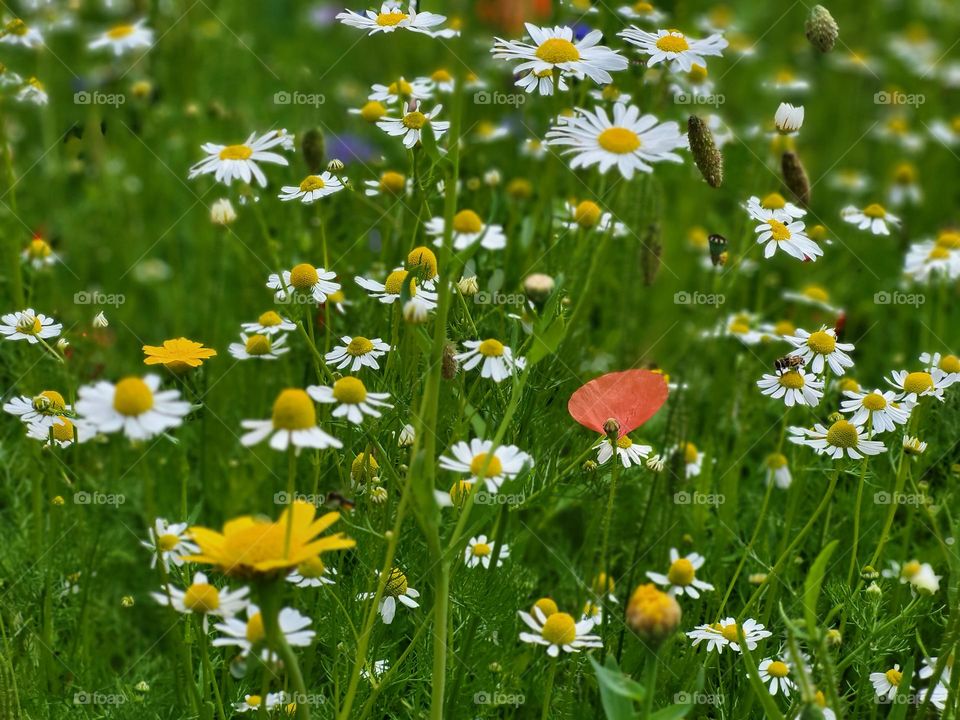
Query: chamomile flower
x=249, y=636
x=17, y=32
x=913, y=445
x=775, y=673
x=814, y=295
x=587, y=215
x=390, y=290
x=411, y=125
x=397, y=590
x=62, y=432
x=904, y=188
x=468, y=229
x=390, y=183
x=476, y=458
x=313, y=187
x=880, y=408
x=726, y=634
x=786, y=81
x=788, y=119
x=542, y=84
x=357, y=352
x=29, y=325
x=841, y=438
x=681, y=576
x=293, y=422
x=204, y=599
x=775, y=206
x=777, y=470
x=628, y=452
x=391, y=17
x=259, y=347
x=253, y=703
x=795, y=387
x=136, y=406
x=170, y=542
x=946, y=132
x=790, y=238
x=123, y=38
x=887, y=684
x=352, y=399
x=33, y=91
x=479, y=551
x=912, y=386
x=628, y=141
x=269, y=323
x=641, y=12
x=440, y=80
x=306, y=279
x=692, y=459
x=39, y=254
x=497, y=359
x=240, y=162
x=928, y=260
x=673, y=47
x=312, y=573
x=42, y=410
x=556, y=50
x=947, y=363
x=821, y=348
x=558, y=631
x=873, y=217
x=401, y=90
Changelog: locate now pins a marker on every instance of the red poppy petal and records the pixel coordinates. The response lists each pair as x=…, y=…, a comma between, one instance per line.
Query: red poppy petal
x=630, y=397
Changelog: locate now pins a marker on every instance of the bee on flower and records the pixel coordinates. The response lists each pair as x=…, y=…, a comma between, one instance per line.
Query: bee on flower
x=352, y=399
x=680, y=51
x=306, y=279
x=496, y=360
x=494, y=468
x=240, y=162
x=681, y=577
x=411, y=125
x=124, y=38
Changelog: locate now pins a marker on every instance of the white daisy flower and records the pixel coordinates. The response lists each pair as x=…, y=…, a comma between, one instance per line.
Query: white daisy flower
x=28, y=325
x=41, y=411
x=170, y=541
x=259, y=347
x=389, y=291
x=390, y=183
x=628, y=142
x=681, y=577
x=204, y=599
x=929, y=667
x=948, y=363
x=250, y=636
x=62, y=432
x=440, y=80
x=542, y=84
x=788, y=119
x=674, y=47
x=785, y=81
x=33, y=91
x=497, y=358
x=588, y=215
x=814, y=295
x=873, y=217
x=391, y=17
x=742, y=326
x=269, y=323
x=253, y=703
x=17, y=32
x=401, y=90
x=642, y=11
x=947, y=133
x=293, y=422
x=123, y=38
x=913, y=445
x=841, y=438
x=692, y=459
x=791, y=238
x=914, y=385
x=239, y=162
x=352, y=399
x=312, y=188
x=134, y=405
x=776, y=674
x=312, y=573
x=558, y=631
x=39, y=254
x=357, y=352
x=475, y=458
x=628, y=452
x=726, y=634
x=479, y=551
x=773, y=205
x=305, y=278
x=412, y=123
x=821, y=348
x=929, y=259
x=777, y=470
x=554, y=49
x=794, y=387
x=880, y=408
x=886, y=684
x=396, y=590
x=468, y=228
x=377, y=669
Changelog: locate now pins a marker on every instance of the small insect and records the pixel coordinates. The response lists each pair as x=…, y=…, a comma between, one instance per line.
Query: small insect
x=787, y=362
x=336, y=500
x=718, y=249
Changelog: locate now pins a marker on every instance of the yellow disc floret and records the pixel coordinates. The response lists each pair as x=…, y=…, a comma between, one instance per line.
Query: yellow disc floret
x=132, y=397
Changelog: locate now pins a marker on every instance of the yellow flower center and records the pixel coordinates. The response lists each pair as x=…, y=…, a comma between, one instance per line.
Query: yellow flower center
x=236, y=152
x=819, y=699
x=132, y=397
x=815, y=292
x=918, y=382
x=624, y=442
x=304, y=276
x=293, y=410
x=784, y=76
x=843, y=434
x=49, y=401
x=167, y=542
x=467, y=222
x=681, y=572
x=400, y=87
x=391, y=19
x=697, y=74
x=441, y=76
x=775, y=461
x=258, y=345
x=349, y=390
x=559, y=629
x=874, y=401
x=373, y=111
x=545, y=605
x=791, y=380
x=63, y=430
x=269, y=319
x=822, y=342
x=490, y=348
x=778, y=669
x=905, y=174
x=950, y=364
x=396, y=583
x=120, y=31
x=415, y=120
x=459, y=491
x=394, y=283
x=39, y=248
x=773, y=201
x=690, y=453
x=938, y=253
x=873, y=210
x=618, y=140
x=312, y=568
x=557, y=50
x=312, y=182
x=393, y=182
x=359, y=346
x=254, y=700
x=255, y=631
x=201, y=598
x=784, y=327
x=481, y=549
x=423, y=257
x=29, y=324
x=643, y=8
x=610, y=92
x=730, y=632
x=894, y=677
x=850, y=384
x=491, y=468
x=673, y=43
x=738, y=327
x=587, y=214
x=779, y=230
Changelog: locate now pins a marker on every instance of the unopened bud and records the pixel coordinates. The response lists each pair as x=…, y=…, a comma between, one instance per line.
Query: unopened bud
x=313, y=148
x=468, y=286
x=705, y=152
x=449, y=365
x=795, y=177
x=335, y=166
x=653, y=614
x=538, y=286
x=822, y=29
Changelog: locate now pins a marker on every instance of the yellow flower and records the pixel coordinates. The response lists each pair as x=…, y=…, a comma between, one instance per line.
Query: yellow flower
x=177, y=355
x=254, y=547
x=652, y=614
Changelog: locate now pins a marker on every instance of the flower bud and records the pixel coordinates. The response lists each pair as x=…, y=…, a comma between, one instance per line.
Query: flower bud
x=335, y=166
x=222, y=212
x=652, y=614
x=313, y=148
x=705, y=152
x=795, y=177
x=822, y=29
x=449, y=364
x=468, y=286
x=538, y=286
